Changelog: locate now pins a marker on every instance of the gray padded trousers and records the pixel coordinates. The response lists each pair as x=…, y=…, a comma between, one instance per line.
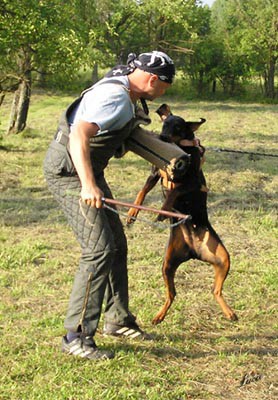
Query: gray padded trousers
x=103, y=262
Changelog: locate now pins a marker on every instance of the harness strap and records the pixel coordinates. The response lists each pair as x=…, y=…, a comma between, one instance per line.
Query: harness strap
x=166, y=182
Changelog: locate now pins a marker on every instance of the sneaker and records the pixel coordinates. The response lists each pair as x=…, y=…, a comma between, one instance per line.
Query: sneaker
x=131, y=331
x=85, y=347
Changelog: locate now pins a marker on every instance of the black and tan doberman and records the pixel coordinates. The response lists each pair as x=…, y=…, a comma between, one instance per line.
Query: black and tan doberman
x=192, y=239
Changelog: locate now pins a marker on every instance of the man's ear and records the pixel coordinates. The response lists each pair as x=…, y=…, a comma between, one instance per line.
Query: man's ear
x=153, y=79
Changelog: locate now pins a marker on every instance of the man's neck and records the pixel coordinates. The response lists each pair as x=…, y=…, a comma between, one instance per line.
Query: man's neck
x=136, y=84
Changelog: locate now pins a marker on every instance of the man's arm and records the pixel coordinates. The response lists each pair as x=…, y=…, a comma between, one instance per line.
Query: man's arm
x=79, y=145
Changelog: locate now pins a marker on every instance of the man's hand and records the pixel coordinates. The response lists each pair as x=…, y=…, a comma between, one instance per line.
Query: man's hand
x=92, y=196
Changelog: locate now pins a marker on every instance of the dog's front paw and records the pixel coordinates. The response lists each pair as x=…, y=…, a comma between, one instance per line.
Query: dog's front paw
x=233, y=317
x=158, y=319
x=131, y=216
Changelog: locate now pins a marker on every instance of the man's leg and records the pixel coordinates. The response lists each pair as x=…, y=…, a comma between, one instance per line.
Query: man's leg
x=94, y=234
x=116, y=297
x=118, y=320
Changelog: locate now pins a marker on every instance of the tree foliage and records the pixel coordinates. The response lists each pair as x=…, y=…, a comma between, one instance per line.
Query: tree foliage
x=259, y=38
x=36, y=36
x=53, y=39
x=249, y=32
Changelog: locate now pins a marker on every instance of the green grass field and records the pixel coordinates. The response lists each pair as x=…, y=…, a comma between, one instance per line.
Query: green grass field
x=197, y=353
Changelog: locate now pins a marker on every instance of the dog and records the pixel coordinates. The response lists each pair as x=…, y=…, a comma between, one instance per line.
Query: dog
x=194, y=238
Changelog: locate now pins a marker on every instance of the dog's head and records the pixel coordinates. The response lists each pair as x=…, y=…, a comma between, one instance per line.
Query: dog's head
x=176, y=128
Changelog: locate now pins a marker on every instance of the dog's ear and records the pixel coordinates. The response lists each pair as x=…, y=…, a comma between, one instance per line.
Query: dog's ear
x=196, y=125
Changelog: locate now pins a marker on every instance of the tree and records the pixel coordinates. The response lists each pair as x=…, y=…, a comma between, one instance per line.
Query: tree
x=230, y=63
x=169, y=25
x=36, y=35
x=249, y=33
x=200, y=63
x=258, y=20
x=112, y=30
x=139, y=25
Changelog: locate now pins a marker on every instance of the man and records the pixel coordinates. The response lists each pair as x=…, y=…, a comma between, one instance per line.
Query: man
x=90, y=132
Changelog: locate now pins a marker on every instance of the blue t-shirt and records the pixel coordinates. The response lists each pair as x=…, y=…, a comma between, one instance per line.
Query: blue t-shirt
x=108, y=105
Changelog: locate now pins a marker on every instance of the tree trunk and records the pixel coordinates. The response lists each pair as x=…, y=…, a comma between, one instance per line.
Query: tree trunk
x=95, y=73
x=20, y=108
x=2, y=97
x=200, y=86
x=270, y=79
x=22, y=95
x=41, y=79
x=232, y=86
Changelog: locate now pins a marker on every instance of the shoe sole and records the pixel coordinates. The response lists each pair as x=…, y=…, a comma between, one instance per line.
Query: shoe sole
x=78, y=351
x=128, y=333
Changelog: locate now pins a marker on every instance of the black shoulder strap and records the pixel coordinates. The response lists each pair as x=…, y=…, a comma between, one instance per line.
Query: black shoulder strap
x=116, y=81
x=143, y=101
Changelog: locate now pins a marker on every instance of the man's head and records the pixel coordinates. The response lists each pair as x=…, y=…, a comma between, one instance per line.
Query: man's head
x=152, y=74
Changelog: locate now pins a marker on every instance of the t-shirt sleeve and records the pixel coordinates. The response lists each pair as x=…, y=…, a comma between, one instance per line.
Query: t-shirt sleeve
x=109, y=106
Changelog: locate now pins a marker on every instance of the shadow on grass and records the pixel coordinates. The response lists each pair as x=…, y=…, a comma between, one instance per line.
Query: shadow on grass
x=241, y=200
x=232, y=350
x=223, y=106
x=35, y=204
x=25, y=207
x=12, y=148
x=235, y=162
x=159, y=350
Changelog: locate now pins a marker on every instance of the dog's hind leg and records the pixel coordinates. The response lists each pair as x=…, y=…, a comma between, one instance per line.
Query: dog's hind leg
x=175, y=255
x=213, y=251
x=169, y=269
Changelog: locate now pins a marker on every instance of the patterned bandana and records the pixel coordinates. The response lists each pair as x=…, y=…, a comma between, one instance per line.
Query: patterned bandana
x=155, y=62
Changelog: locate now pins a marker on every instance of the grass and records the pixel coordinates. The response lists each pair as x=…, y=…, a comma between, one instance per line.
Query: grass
x=197, y=353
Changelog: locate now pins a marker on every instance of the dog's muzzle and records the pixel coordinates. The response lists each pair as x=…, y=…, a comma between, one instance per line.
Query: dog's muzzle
x=178, y=167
